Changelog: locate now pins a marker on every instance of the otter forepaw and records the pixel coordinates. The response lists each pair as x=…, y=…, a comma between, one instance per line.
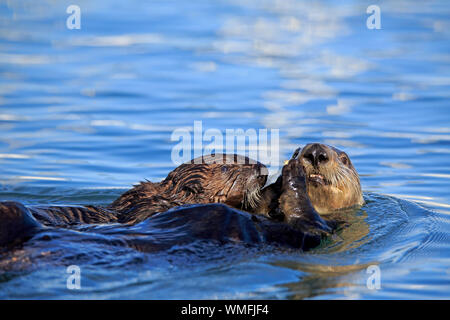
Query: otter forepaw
x=293, y=175
x=317, y=226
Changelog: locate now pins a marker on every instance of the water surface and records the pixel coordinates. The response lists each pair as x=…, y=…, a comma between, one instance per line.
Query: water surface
x=84, y=114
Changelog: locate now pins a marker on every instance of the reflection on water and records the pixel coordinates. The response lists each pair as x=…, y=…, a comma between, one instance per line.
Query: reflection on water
x=86, y=113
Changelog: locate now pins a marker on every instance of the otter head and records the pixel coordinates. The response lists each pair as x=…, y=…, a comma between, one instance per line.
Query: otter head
x=332, y=181
x=231, y=179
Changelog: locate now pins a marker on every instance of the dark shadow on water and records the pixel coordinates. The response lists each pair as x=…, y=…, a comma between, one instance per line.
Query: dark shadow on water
x=386, y=231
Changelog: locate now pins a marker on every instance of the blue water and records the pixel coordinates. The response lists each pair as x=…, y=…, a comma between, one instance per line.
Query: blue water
x=84, y=114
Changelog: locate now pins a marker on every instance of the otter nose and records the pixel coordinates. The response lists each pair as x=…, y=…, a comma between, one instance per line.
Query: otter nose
x=316, y=154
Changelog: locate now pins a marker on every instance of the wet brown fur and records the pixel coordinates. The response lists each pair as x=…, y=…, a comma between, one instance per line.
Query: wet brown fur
x=340, y=189
x=234, y=180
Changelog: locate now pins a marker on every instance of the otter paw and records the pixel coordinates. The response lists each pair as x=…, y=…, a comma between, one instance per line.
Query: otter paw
x=293, y=175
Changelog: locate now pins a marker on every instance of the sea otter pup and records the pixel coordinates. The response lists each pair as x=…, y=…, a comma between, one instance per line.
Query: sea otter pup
x=230, y=179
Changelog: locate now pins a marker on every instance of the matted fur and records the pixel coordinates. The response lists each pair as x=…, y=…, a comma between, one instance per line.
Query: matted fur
x=231, y=179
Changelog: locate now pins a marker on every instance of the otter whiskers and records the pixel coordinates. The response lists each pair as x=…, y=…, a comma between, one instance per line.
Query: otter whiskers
x=342, y=177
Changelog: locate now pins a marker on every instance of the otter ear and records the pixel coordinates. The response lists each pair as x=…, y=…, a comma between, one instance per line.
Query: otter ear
x=296, y=153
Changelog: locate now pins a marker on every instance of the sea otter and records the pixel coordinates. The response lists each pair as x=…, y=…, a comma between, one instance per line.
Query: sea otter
x=236, y=181
x=332, y=183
